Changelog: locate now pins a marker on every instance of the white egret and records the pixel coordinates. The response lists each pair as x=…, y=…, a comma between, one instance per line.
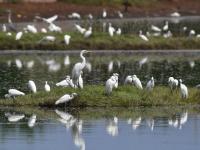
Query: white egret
x=143, y=61
x=166, y=26
x=104, y=14
x=65, y=98
x=67, y=60
x=75, y=15
x=150, y=84
x=192, y=32
x=32, y=121
x=43, y=30
x=168, y=34
x=31, y=29
x=88, y=33
x=64, y=83
x=32, y=86
x=192, y=64
x=119, y=31
x=80, y=29
x=9, y=34
x=48, y=20
x=183, y=90
x=110, y=83
x=80, y=81
x=137, y=82
x=48, y=38
x=175, y=14
x=128, y=80
x=110, y=66
x=14, y=92
x=78, y=68
x=18, y=63
x=173, y=83
x=4, y=29
x=30, y=64
x=54, y=28
x=155, y=28
x=116, y=76
x=111, y=30
x=18, y=35
x=14, y=117
x=120, y=14
x=67, y=39
x=90, y=16
x=47, y=87
x=88, y=66
x=142, y=36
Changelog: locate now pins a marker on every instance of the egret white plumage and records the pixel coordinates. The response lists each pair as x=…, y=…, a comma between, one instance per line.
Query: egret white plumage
x=80, y=29
x=173, y=83
x=143, y=37
x=48, y=38
x=150, y=84
x=192, y=32
x=67, y=60
x=47, y=87
x=175, y=14
x=54, y=28
x=32, y=121
x=78, y=68
x=119, y=31
x=80, y=81
x=111, y=30
x=31, y=29
x=116, y=76
x=128, y=80
x=48, y=20
x=104, y=14
x=110, y=66
x=43, y=30
x=18, y=35
x=88, y=33
x=166, y=26
x=137, y=82
x=88, y=66
x=136, y=123
x=142, y=62
x=18, y=63
x=65, y=82
x=14, y=117
x=90, y=16
x=30, y=64
x=155, y=28
x=67, y=39
x=32, y=86
x=13, y=93
x=66, y=98
x=183, y=90
x=120, y=14
x=110, y=83
x=4, y=29
x=75, y=15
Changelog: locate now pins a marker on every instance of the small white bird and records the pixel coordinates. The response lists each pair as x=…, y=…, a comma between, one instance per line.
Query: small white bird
x=32, y=86
x=18, y=35
x=110, y=83
x=116, y=76
x=183, y=90
x=88, y=33
x=173, y=83
x=54, y=28
x=150, y=84
x=31, y=29
x=4, y=29
x=18, y=63
x=80, y=29
x=120, y=14
x=43, y=30
x=119, y=31
x=32, y=121
x=90, y=16
x=166, y=26
x=104, y=14
x=75, y=15
x=48, y=38
x=65, y=98
x=65, y=82
x=14, y=117
x=111, y=30
x=47, y=87
x=137, y=82
x=9, y=34
x=175, y=14
x=110, y=66
x=30, y=64
x=192, y=33
x=143, y=37
x=80, y=81
x=14, y=92
x=48, y=20
x=143, y=61
x=155, y=28
x=67, y=60
x=67, y=39
x=128, y=80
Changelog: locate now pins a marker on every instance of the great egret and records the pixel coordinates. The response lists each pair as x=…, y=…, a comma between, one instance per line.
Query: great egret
x=10, y=25
x=67, y=39
x=32, y=121
x=14, y=117
x=110, y=66
x=110, y=83
x=116, y=76
x=47, y=87
x=32, y=86
x=142, y=62
x=173, y=83
x=80, y=29
x=65, y=98
x=168, y=34
x=88, y=33
x=150, y=84
x=137, y=82
x=175, y=14
x=18, y=63
x=43, y=30
x=30, y=64
x=90, y=16
x=31, y=29
x=54, y=28
x=4, y=29
x=142, y=36
x=18, y=35
x=111, y=30
x=80, y=81
x=183, y=90
x=48, y=38
x=65, y=82
x=13, y=93
x=78, y=68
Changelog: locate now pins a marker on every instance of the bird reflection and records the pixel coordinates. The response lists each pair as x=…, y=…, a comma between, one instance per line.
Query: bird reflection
x=136, y=123
x=32, y=121
x=150, y=123
x=179, y=122
x=112, y=127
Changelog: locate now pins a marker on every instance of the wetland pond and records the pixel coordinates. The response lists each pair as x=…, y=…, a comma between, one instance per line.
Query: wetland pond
x=99, y=128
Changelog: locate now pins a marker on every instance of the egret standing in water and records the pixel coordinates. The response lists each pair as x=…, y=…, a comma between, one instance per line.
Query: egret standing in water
x=78, y=68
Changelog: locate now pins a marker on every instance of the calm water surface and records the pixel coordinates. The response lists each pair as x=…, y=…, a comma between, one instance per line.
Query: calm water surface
x=137, y=128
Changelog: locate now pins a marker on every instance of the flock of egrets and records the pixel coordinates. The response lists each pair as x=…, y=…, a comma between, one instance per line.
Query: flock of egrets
x=107, y=26
x=76, y=81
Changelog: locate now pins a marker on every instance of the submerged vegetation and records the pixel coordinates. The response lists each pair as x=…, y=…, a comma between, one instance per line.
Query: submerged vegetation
x=94, y=96
x=98, y=40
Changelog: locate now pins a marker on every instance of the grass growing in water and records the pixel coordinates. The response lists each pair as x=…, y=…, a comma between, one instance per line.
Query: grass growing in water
x=94, y=96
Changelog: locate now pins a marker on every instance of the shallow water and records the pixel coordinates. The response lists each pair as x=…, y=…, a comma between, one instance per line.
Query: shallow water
x=137, y=128
x=17, y=68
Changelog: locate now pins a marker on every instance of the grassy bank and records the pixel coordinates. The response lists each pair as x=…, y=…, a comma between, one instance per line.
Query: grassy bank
x=100, y=41
x=94, y=96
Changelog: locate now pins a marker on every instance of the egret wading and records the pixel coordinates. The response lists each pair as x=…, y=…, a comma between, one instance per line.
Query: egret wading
x=78, y=68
